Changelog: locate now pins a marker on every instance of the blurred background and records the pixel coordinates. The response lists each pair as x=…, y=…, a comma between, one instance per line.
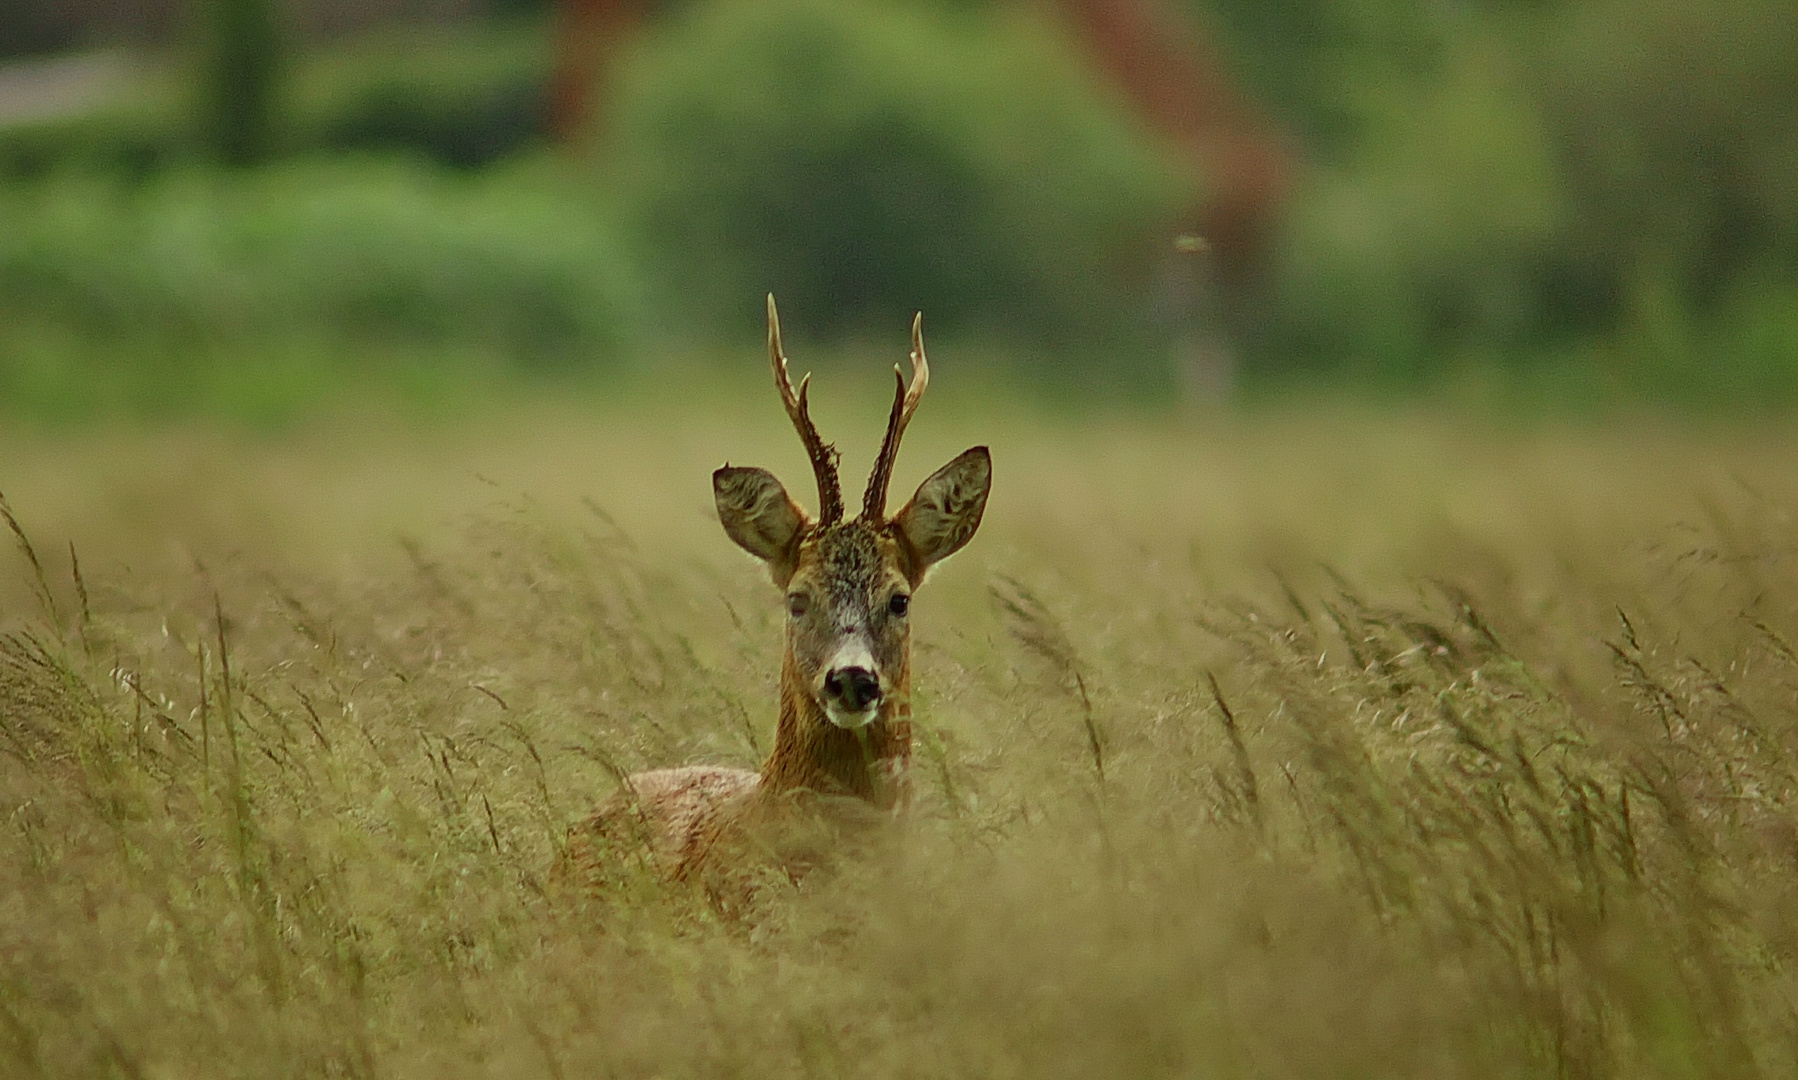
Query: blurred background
x=250, y=208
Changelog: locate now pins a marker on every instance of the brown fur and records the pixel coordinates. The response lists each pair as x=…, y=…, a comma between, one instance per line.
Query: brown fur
x=684, y=816
x=848, y=587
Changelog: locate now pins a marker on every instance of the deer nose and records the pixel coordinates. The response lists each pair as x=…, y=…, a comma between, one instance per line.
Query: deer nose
x=853, y=689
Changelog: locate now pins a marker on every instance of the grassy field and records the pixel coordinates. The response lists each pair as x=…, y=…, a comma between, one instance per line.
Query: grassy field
x=1311, y=744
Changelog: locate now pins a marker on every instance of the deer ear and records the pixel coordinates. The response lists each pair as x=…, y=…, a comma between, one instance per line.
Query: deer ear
x=759, y=515
x=946, y=510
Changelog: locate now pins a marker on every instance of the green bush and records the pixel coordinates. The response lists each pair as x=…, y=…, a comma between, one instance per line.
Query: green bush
x=461, y=97
x=867, y=160
x=355, y=254
x=1677, y=134
x=129, y=143
x=241, y=76
x=1742, y=350
x=1436, y=237
x=1315, y=63
x=136, y=124
x=1506, y=187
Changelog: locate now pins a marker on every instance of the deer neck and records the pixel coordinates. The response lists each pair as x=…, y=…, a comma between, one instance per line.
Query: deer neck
x=814, y=754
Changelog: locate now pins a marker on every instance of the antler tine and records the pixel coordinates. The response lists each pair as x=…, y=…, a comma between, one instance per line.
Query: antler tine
x=824, y=456
x=905, y=403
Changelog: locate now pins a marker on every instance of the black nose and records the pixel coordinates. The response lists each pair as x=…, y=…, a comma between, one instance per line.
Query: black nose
x=853, y=688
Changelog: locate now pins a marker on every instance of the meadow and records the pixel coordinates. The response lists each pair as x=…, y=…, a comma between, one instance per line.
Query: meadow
x=1322, y=742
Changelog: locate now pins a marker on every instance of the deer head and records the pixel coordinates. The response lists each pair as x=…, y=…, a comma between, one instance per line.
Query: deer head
x=849, y=583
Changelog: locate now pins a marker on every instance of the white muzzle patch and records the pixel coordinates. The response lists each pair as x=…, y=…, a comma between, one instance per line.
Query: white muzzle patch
x=853, y=655
x=851, y=720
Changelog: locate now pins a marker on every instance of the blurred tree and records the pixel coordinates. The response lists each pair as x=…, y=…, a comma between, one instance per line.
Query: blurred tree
x=1441, y=234
x=1676, y=126
x=1322, y=64
x=1183, y=88
x=1211, y=271
x=588, y=36
x=1502, y=179
x=865, y=160
x=240, y=78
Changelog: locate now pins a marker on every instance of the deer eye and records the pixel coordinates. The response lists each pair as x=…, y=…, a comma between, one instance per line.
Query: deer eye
x=899, y=604
x=797, y=604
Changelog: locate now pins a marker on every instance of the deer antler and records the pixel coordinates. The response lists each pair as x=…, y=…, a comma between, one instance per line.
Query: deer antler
x=905, y=402
x=824, y=457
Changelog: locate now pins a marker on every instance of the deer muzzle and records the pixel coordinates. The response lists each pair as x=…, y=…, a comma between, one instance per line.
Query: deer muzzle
x=851, y=690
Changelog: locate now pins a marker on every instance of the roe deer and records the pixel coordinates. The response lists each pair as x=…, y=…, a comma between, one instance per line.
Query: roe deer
x=845, y=674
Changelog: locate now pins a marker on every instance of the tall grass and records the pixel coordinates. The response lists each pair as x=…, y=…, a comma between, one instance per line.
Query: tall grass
x=1497, y=792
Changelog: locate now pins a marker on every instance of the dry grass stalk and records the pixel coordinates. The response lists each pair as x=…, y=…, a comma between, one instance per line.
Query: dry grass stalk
x=292, y=821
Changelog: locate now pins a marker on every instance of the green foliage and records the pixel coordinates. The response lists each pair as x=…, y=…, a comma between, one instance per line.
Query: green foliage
x=1676, y=132
x=1315, y=63
x=1440, y=233
x=1540, y=180
x=128, y=141
x=1542, y=194
x=867, y=160
x=460, y=97
x=1743, y=353
x=347, y=257
x=240, y=85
